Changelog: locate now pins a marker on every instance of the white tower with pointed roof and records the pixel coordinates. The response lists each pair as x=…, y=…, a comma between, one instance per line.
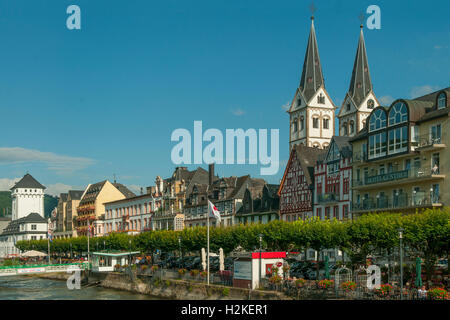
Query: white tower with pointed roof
x=360, y=98
x=312, y=111
x=27, y=197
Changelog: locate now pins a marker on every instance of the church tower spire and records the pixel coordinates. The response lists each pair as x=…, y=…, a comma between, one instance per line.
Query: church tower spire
x=360, y=98
x=360, y=84
x=312, y=111
x=312, y=77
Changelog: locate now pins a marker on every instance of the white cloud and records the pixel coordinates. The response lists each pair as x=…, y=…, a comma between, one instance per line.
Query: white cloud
x=57, y=188
x=61, y=164
x=238, y=112
x=286, y=106
x=422, y=90
x=6, y=184
x=386, y=100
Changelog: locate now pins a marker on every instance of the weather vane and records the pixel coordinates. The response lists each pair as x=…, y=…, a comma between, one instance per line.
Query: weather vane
x=361, y=18
x=312, y=8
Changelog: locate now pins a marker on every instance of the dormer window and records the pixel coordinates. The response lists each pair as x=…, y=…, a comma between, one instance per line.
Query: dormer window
x=442, y=101
x=299, y=101
x=348, y=106
x=302, y=123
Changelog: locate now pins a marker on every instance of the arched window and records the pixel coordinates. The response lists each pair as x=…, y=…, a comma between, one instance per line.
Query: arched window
x=398, y=113
x=377, y=120
x=352, y=127
x=442, y=101
x=345, y=129
x=295, y=124
x=302, y=123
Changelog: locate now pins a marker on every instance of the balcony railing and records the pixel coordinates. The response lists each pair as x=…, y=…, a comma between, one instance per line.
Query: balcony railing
x=429, y=141
x=418, y=199
x=416, y=172
x=328, y=197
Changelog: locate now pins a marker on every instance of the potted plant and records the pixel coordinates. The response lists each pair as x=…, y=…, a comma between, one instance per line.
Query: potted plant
x=300, y=283
x=181, y=272
x=348, y=286
x=117, y=267
x=154, y=268
x=325, y=283
x=203, y=274
x=384, y=290
x=194, y=273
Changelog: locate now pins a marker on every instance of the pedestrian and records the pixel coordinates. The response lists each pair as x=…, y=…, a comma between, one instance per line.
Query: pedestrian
x=422, y=293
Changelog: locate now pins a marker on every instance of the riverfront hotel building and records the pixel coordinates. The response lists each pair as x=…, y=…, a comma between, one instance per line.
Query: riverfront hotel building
x=400, y=158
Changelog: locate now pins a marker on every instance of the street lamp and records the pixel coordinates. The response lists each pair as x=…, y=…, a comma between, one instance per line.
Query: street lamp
x=179, y=243
x=129, y=242
x=104, y=245
x=260, y=249
x=400, y=235
x=71, y=256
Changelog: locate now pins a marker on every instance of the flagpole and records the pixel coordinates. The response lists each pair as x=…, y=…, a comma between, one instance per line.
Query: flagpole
x=89, y=233
x=207, y=254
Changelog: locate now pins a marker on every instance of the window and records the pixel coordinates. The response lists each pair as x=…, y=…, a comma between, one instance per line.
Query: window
x=377, y=145
x=398, y=140
x=377, y=120
x=435, y=134
x=299, y=101
x=302, y=123
x=370, y=104
x=327, y=213
x=315, y=123
x=321, y=99
x=352, y=127
x=348, y=106
x=344, y=127
x=33, y=227
x=442, y=101
x=295, y=125
x=326, y=123
x=398, y=114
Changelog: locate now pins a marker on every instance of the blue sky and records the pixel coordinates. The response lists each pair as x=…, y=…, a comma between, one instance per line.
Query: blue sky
x=81, y=105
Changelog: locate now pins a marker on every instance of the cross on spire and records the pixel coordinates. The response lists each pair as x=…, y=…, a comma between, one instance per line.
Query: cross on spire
x=313, y=9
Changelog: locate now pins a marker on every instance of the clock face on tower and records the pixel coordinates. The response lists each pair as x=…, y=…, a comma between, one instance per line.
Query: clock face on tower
x=370, y=104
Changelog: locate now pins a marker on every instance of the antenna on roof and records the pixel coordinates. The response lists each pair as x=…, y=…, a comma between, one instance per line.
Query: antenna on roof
x=114, y=177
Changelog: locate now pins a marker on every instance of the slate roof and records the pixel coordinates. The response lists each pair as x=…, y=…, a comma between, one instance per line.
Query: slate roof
x=308, y=157
x=344, y=145
x=75, y=194
x=28, y=182
x=63, y=197
x=311, y=67
x=14, y=226
x=124, y=190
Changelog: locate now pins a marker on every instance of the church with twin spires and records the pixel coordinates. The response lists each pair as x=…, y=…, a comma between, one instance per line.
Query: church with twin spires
x=312, y=112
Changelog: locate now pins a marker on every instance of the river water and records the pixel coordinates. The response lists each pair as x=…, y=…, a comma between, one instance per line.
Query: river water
x=33, y=288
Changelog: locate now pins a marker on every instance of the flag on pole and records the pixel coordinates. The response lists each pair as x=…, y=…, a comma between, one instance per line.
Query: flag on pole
x=213, y=211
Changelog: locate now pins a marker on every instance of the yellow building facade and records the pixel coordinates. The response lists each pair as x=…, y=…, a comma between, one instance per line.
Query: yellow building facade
x=401, y=158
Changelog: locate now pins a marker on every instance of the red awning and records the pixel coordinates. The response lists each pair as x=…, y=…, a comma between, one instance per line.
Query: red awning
x=269, y=255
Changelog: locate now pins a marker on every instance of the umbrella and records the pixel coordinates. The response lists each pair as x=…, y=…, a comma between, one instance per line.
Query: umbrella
x=34, y=253
x=418, y=272
x=327, y=268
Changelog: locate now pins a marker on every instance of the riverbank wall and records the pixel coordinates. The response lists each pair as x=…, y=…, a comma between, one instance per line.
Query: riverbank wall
x=168, y=289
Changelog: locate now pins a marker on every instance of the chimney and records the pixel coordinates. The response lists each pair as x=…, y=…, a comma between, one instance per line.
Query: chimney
x=211, y=174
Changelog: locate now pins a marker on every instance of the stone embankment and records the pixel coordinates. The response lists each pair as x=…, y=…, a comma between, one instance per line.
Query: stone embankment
x=169, y=289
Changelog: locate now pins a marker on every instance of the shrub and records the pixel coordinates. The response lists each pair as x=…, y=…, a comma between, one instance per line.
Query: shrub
x=189, y=289
x=300, y=282
x=125, y=266
x=438, y=294
x=225, y=292
x=325, y=284
x=144, y=267
x=203, y=274
x=348, y=285
x=275, y=279
x=181, y=271
x=384, y=290
x=117, y=266
x=286, y=268
x=167, y=283
x=155, y=267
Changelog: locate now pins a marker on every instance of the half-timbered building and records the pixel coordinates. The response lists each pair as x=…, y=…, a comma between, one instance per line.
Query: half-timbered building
x=332, y=177
x=297, y=186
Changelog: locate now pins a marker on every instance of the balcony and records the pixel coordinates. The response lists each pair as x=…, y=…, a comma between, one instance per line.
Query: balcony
x=327, y=198
x=422, y=174
x=430, y=143
x=403, y=201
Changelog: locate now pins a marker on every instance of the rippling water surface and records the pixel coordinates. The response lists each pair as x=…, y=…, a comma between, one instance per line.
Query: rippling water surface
x=31, y=288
